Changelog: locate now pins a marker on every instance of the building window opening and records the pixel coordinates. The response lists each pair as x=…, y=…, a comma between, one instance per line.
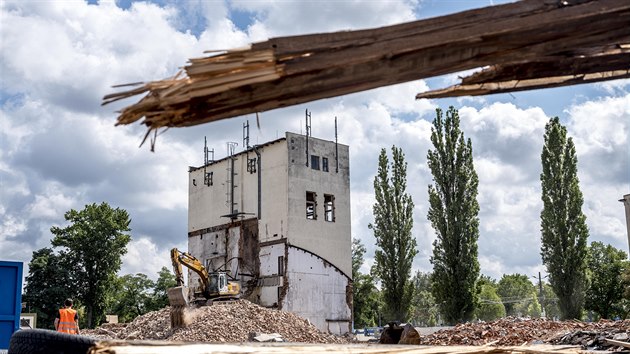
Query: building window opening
x=325, y=164
x=251, y=165
x=329, y=207
x=280, y=265
x=311, y=206
x=207, y=178
x=315, y=162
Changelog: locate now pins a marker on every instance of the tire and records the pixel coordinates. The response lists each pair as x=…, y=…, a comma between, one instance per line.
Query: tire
x=36, y=341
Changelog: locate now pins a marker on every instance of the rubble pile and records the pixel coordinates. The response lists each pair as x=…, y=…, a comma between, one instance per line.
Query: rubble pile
x=602, y=335
x=237, y=321
x=506, y=331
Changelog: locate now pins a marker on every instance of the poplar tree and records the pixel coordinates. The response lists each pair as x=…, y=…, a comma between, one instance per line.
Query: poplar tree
x=563, y=225
x=453, y=213
x=396, y=247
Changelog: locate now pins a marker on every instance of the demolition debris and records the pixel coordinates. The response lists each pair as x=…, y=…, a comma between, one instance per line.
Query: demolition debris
x=602, y=335
x=233, y=322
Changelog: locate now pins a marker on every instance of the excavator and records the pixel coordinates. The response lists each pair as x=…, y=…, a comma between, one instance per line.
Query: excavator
x=214, y=287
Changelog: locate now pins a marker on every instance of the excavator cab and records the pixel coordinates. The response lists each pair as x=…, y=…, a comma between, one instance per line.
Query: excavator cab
x=219, y=287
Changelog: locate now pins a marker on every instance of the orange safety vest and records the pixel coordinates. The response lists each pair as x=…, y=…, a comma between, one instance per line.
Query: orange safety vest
x=67, y=324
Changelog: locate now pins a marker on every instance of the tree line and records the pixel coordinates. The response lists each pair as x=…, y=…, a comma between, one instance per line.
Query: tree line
x=85, y=256
x=580, y=278
x=82, y=263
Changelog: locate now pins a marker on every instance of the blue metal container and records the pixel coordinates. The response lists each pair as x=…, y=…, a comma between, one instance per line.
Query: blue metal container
x=10, y=300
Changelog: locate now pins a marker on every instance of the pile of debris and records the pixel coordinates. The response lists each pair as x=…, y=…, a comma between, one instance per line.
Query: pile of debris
x=602, y=335
x=506, y=331
x=232, y=322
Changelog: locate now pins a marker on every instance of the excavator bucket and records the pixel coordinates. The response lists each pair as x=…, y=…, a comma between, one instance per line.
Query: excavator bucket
x=178, y=299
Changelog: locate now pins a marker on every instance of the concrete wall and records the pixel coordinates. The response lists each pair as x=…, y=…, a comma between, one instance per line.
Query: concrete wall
x=218, y=251
x=207, y=204
x=273, y=223
x=317, y=291
x=271, y=278
x=330, y=240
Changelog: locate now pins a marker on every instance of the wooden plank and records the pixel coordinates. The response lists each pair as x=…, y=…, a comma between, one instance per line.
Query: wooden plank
x=150, y=347
x=554, y=66
x=617, y=343
x=292, y=70
x=522, y=85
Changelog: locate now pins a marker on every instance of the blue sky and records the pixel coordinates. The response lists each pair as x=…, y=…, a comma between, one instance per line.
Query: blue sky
x=59, y=148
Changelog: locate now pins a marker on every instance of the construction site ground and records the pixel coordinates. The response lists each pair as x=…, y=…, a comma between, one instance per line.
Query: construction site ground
x=242, y=320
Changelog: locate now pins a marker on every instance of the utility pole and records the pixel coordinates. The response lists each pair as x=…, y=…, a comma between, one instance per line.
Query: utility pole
x=541, y=297
x=626, y=203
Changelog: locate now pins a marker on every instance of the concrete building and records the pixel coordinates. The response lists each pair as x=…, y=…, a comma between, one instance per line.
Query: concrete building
x=277, y=217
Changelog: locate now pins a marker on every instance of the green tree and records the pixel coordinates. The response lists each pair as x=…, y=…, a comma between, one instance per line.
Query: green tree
x=486, y=280
x=396, y=246
x=48, y=285
x=424, y=311
x=364, y=292
x=166, y=279
x=358, y=251
x=606, y=287
x=95, y=242
x=133, y=296
x=563, y=225
x=490, y=306
x=519, y=296
x=453, y=213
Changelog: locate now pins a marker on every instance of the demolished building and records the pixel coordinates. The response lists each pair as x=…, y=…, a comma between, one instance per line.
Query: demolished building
x=276, y=217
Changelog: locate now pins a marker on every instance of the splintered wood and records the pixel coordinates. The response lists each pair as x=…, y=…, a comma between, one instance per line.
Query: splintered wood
x=524, y=45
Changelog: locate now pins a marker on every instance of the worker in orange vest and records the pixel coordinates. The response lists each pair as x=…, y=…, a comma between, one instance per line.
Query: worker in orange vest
x=68, y=319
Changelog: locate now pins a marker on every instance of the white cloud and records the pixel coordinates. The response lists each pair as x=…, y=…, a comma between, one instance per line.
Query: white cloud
x=49, y=205
x=144, y=256
x=60, y=150
x=280, y=18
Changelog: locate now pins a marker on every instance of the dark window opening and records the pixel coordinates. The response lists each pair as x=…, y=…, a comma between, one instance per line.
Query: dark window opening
x=251, y=165
x=325, y=164
x=315, y=162
x=207, y=180
x=311, y=206
x=329, y=207
x=281, y=265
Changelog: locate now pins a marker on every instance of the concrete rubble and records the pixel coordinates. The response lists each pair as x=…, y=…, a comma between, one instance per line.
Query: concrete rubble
x=244, y=321
x=232, y=322
x=602, y=335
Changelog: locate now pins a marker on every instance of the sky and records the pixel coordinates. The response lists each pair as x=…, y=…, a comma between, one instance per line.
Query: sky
x=60, y=150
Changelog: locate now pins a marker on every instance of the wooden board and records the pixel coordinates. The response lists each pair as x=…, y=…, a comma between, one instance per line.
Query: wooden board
x=130, y=347
x=547, y=38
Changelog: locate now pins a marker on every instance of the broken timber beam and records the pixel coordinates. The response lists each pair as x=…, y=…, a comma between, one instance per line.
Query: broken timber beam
x=551, y=72
x=292, y=70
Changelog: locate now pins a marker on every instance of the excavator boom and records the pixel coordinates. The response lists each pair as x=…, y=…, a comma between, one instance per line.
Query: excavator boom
x=178, y=296
x=214, y=286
